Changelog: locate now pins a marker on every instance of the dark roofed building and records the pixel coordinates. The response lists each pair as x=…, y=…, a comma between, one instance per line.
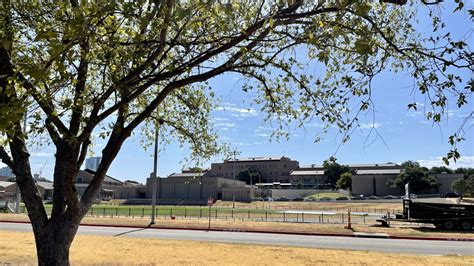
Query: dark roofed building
x=110, y=184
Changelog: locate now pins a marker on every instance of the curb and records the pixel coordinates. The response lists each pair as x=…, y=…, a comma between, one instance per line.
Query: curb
x=356, y=235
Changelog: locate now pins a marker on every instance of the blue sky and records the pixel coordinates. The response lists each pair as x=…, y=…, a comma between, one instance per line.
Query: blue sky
x=402, y=134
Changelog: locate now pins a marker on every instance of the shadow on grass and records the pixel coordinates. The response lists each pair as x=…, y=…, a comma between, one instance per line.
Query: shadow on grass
x=129, y=232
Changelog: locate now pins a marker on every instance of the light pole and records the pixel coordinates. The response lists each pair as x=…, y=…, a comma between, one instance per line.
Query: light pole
x=233, y=186
x=153, y=178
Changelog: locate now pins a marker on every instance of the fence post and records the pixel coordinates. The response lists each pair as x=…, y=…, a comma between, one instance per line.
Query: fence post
x=129, y=212
x=185, y=213
x=266, y=215
x=232, y=213
x=92, y=211
x=200, y=213
x=103, y=212
x=216, y=213
x=143, y=212
x=284, y=216
x=116, y=211
x=302, y=216
x=322, y=217
x=249, y=215
x=171, y=212
x=342, y=217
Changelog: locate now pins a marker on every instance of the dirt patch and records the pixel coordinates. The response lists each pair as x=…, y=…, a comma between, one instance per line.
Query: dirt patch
x=18, y=248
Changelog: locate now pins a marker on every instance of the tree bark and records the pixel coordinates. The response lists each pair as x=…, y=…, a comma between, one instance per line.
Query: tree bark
x=54, y=240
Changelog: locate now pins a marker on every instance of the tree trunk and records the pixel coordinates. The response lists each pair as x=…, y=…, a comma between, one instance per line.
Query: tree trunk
x=54, y=241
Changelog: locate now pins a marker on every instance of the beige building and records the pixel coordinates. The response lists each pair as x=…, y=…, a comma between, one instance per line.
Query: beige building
x=370, y=182
x=272, y=169
x=192, y=188
x=308, y=176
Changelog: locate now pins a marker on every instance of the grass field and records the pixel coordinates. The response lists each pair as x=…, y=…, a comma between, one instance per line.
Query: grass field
x=18, y=248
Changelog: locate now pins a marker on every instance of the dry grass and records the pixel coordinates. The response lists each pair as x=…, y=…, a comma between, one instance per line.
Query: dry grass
x=18, y=248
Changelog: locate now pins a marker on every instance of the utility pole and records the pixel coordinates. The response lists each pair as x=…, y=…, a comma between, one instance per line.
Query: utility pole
x=155, y=169
x=233, y=186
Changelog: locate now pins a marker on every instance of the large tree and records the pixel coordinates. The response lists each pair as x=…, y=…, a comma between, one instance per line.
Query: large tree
x=81, y=69
x=418, y=177
x=333, y=171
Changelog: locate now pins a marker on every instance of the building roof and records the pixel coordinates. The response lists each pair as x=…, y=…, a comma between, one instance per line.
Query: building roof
x=6, y=184
x=374, y=165
x=45, y=185
x=106, y=179
x=253, y=159
x=307, y=172
x=312, y=166
x=379, y=172
x=189, y=175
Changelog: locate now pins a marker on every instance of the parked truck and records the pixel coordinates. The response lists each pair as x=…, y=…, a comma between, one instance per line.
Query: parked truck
x=441, y=213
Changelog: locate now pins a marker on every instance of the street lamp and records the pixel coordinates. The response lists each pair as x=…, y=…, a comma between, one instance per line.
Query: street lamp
x=233, y=185
x=153, y=178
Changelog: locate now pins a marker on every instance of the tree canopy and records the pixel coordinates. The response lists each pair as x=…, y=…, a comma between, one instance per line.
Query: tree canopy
x=79, y=70
x=250, y=176
x=345, y=181
x=333, y=171
x=418, y=177
x=464, y=185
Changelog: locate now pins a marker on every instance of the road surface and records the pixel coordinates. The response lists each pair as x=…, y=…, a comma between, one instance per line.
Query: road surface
x=423, y=247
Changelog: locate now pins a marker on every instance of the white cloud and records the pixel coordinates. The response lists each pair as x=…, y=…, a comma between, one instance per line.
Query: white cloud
x=262, y=135
x=414, y=113
x=369, y=125
x=464, y=161
x=320, y=125
x=242, y=144
x=41, y=154
x=215, y=119
x=226, y=125
x=238, y=112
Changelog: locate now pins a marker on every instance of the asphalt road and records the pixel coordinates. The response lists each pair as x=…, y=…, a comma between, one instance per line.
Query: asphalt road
x=423, y=247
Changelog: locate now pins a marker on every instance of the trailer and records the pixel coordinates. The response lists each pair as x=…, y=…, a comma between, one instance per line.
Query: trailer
x=439, y=212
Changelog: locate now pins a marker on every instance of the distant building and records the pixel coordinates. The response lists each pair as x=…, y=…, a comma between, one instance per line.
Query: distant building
x=193, y=188
x=111, y=188
x=109, y=185
x=92, y=163
x=6, y=172
x=271, y=169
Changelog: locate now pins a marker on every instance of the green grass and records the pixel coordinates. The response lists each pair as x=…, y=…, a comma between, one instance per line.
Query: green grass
x=332, y=195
